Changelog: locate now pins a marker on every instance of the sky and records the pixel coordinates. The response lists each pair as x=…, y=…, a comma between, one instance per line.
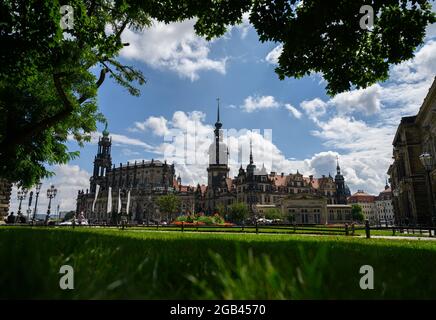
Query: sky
x=293, y=124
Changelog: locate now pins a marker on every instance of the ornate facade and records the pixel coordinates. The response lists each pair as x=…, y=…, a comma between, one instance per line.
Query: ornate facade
x=412, y=198
x=142, y=182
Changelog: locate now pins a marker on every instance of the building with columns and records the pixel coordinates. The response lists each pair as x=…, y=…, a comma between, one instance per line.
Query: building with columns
x=414, y=185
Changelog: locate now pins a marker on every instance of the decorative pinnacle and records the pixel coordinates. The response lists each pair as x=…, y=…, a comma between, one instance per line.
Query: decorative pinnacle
x=218, y=124
x=105, y=131
x=251, y=152
x=218, y=113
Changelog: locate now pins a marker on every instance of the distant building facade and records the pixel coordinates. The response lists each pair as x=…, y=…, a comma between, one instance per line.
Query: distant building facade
x=367, y=202
x=408, y=178
x=384, y=207
x=377, y=209
x=338, y=214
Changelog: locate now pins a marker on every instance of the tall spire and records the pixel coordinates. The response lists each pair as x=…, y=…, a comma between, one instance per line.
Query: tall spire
x=218, y=111
x=251, y=152
x=218, y=124
x=338, y=168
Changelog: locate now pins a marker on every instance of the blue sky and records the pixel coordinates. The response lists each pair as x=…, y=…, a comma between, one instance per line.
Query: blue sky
x=185, y=74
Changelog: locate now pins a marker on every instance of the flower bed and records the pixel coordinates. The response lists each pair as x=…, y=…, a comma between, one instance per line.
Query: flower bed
x=201, y=219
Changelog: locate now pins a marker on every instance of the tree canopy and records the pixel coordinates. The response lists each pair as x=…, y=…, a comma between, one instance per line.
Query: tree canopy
x=357, y=213
x=326, y=37
x=273, y=213
x=238, y=212
x=49, y=75
x=168, y=204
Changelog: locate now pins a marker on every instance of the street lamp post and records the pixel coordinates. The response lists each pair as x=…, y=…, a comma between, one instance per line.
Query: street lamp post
x=386, y=213
x=149, y=210
x=51, y=193
x=29, y=210
x=427, y=162
x=38, y=189
x=58, y=212
x=21, y=195
x=395, y=207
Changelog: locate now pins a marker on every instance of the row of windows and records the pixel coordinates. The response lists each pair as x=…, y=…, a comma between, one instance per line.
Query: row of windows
x=292, y=210
x=339, y=216
x=305, y=218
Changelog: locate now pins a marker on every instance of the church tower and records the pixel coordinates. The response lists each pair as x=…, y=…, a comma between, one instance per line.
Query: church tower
x=251, y=167
x=218, y=169
x=341, y=192
x=102, y=161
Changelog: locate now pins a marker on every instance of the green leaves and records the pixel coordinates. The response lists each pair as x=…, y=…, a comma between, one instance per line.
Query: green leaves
x=168, y=204
x=325, y=37
x=238, y=212
x=48, y=83
x=49, y=77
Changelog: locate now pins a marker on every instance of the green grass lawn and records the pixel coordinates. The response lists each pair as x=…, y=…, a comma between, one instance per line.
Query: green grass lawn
x=137, y=264
x=323, y=230
x=250, y=229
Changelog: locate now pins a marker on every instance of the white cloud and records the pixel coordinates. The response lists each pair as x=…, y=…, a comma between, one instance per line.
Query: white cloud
x=294, y=111
x=129, y=153
x=158, y=125
x=314, y=108
x=245, y=26
x=420, y=68
x=118, y=140
x=256, y=103
x=431, y=32
x=366, y=101
x=173, y=47
x=68, y=180
x=367, y=145
x=273, y=56
x=431, y=29
x=355, y=135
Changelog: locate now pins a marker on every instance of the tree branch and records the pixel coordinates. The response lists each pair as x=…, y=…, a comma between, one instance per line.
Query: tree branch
x=31, y=130
x=98, y=84
x=121, y=29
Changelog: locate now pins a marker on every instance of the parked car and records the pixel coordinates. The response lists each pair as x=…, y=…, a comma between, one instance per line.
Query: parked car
x=84, y=222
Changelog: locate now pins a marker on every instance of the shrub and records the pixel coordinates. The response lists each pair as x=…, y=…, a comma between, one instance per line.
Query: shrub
x=273, y=213
x=182, y=218
x=206, y=220
x=217, y=219
x=238, y=212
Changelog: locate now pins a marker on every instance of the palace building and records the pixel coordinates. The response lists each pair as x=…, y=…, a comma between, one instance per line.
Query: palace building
x=133, y=188
x=412, y=179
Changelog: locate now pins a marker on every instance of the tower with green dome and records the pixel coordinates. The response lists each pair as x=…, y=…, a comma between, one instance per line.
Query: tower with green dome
x=102, y=161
